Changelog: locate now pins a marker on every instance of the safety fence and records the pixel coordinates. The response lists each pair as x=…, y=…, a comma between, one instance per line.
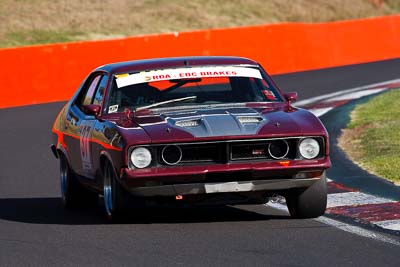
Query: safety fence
x=47, y=73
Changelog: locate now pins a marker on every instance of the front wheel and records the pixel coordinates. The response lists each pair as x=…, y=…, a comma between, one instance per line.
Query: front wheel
x=309, y=202
x=115, y=197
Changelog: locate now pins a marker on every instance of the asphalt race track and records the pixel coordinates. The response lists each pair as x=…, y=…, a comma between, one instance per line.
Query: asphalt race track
x=36, y=231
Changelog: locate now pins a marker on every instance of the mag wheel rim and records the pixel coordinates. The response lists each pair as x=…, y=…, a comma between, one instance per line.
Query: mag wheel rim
x=107, y=188
x=63, y=179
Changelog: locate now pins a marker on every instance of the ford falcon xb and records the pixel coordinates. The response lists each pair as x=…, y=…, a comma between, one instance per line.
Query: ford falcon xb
x=194, y=130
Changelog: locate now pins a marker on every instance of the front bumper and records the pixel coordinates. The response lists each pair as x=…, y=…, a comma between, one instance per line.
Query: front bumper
x=223, y=178
x=261, y=168
x=227, y=187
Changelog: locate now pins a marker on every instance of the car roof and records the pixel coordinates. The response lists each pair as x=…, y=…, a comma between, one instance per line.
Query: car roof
x=173, y=62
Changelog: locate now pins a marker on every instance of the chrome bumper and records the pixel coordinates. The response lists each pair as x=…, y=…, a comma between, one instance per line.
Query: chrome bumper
x=228, y=187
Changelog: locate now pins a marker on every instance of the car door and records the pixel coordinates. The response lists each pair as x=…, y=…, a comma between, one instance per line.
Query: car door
x=80, y=126
x=89, y=123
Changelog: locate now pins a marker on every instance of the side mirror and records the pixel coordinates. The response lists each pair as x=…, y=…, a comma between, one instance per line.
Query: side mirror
x=91, y=110
x=291, y=97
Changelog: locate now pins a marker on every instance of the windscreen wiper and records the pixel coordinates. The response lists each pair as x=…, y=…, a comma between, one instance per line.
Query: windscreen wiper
x=182, y=99
x=179, y=83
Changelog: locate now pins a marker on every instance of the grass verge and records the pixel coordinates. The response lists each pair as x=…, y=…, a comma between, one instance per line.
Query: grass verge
x=372, y=138
x=31, y=37
x=26, y=22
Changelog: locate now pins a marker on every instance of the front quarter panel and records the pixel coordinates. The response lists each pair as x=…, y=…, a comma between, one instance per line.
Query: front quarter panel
x=308, y=121
x=111, y=142
x=106, y=143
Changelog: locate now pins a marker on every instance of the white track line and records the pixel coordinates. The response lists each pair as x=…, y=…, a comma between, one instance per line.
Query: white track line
x=355, y=95
x=358, y=230
x=342, y=226
x=323, y=97
x=349, y=96
x=354, y=198
x=389, y=224
x=320, y=111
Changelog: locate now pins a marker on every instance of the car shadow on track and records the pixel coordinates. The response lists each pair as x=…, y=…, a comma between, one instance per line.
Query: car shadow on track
x=51, y=211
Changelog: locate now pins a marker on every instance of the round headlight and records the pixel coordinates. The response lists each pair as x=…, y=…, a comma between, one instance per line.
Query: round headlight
x=309, y=148
x=140, y=157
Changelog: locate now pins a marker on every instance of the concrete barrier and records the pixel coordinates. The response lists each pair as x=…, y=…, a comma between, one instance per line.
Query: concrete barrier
x=47, y=73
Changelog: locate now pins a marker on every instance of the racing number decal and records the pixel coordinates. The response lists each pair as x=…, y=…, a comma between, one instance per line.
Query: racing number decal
x=86, y=130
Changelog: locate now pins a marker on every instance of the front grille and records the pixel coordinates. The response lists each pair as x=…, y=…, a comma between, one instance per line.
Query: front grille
x=249, y=151
x=202, y=153
x=232, y=151
x=260, y=150
x=196, y=153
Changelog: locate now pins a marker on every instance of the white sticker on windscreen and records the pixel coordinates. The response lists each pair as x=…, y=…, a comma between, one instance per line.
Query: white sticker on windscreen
x=187, y=73
x=113, y=109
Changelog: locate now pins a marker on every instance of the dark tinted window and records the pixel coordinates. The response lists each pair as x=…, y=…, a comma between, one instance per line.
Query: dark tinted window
x=87, y=99
x=235, y=84
x=98, y=98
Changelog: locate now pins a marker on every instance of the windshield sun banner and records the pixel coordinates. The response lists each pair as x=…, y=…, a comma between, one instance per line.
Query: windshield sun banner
x=123, y=80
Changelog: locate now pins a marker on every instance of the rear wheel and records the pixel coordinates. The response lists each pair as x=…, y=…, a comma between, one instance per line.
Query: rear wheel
x=309, y=202
x=73, y=194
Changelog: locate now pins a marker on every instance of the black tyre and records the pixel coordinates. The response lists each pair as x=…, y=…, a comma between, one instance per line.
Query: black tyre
x=116, y=199
x=309, y=202
x=74, y=194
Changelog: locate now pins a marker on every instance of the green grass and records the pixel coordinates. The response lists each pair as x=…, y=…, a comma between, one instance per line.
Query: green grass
x=32, y=37
x=375, y=130
x=27, y=22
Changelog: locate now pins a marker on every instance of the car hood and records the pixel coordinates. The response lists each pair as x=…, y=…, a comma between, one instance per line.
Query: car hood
x=231, y=122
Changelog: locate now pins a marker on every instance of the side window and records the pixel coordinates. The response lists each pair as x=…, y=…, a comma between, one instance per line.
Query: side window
x=87, y=99
x=98, y=98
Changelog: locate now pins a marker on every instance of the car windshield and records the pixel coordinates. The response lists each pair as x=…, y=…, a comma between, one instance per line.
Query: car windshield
x=191, y=86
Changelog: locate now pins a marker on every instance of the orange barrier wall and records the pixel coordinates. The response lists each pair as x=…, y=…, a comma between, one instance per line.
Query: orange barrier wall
x=40, y=74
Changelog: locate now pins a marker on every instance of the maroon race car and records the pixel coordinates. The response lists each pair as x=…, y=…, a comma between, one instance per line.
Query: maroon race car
x=189, y=130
